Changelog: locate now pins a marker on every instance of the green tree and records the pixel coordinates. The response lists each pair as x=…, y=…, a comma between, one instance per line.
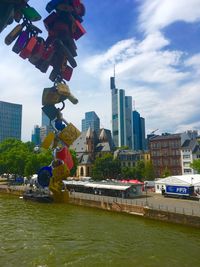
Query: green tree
x=196, y=165
x=166, y=172
x=140, y=170
x=75, y=160
x=149, y=173
x=106, y=168
x=128, y=172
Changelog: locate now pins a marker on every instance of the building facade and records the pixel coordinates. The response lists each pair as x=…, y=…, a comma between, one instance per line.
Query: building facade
x=190, y=151
x=92, y=121
x=36, y=136
x=139, y=142
x=121, y=116
x=90, y=145
x=10, y=120
x=165, y=152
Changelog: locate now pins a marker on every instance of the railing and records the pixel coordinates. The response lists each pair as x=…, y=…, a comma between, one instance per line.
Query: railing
x=190, y=208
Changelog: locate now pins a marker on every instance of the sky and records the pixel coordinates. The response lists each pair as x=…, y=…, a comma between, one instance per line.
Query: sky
x=155, y=47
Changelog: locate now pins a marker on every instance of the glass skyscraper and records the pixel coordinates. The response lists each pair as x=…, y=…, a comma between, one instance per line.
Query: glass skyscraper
x=10, y=120
x=121, y=116
x=91, y=121
x=138, y=131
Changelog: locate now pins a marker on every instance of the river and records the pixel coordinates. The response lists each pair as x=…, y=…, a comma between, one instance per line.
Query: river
x=57, y=235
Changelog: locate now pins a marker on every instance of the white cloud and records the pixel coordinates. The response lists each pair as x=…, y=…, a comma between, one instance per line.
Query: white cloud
x=157, y=14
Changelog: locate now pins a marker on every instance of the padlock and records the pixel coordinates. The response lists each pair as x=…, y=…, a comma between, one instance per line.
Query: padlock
x=46, y=59
x=64, y=7
x=69, y=42
x=30, y=13
x=52, y=5
x=54, y=74
x=66, y=73
x=78, y=30
x=59, y=125
x=14, y=34
x=63, y=90
x=51, y=111
x=69, y=134
x=63, y=49
x=50, y=20
x=27, y=50
x=48, y=140
x=6, y=15
x=60, y=173
x=21, y=42
x=38, y=51
x=51, y=96
x=79, y=7
x=65, y=155
x=44, y=176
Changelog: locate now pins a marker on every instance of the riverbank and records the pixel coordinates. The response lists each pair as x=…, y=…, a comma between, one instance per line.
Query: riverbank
x=153, y=207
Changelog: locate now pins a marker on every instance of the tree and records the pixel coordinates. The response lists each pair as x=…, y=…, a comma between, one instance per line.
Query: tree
x=128, y=172
x=140, y=170
x=149, y=173
x=196, y=165
x=75, y=160
x=166, y=172
x=106, y=167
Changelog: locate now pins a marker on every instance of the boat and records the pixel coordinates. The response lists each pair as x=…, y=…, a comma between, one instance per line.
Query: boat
x=38, y=196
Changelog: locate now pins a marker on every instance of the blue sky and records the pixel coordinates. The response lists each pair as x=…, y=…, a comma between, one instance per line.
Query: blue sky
x=155, y=47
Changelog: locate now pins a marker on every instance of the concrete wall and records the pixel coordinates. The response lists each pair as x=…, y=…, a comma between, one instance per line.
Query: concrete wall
x=141, y=211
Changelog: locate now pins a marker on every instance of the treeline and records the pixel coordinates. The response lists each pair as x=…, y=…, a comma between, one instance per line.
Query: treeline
x=108, y=167
x=21, y=159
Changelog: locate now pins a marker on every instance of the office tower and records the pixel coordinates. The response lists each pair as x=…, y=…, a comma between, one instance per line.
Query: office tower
x=91, y=121
x=121, y=116
x=45, y=119
x=10, y=120
x=138, y=131
x=129, y=121
x=36, y=135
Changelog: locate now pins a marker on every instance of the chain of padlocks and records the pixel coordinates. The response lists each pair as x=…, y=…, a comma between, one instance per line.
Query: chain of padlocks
x=58, y=51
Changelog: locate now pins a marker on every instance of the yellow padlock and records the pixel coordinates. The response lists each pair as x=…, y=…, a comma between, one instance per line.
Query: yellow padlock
x=49, y=139
x=63, y=89
x=69, y=134
x=60, y=173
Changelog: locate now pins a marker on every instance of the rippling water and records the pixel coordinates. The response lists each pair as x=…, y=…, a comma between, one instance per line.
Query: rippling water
x=56, y=235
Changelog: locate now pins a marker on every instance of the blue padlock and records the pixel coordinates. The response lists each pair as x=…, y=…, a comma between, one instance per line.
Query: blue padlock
x=44, y=176
x=59, y=125
x=52, y=5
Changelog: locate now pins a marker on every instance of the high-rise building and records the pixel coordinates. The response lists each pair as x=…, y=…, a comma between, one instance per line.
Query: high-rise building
x=121, y=117
x=91, y=121
x=119, y=113
x=45, y=119
x=10, y=120
x=36, y=135
x=139, y=142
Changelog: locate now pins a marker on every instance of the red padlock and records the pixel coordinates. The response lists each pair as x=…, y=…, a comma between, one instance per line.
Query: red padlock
x=50, y=20
x=66, y=73
x=26, y=52
x=38, y=51
x=77, y=30
x=65, y=155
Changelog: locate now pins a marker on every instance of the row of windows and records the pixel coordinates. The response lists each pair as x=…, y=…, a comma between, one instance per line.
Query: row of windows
x=166, y=152
x=172, y=144
x=170, y=162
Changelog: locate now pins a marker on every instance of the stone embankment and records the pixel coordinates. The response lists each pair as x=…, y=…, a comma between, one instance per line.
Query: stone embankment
x=119, y=205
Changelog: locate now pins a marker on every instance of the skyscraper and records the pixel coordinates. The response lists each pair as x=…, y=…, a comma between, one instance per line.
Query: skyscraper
x=138, y=131
x=121, y=116
x=91, y=121
x=45, y=119
x=10, y=120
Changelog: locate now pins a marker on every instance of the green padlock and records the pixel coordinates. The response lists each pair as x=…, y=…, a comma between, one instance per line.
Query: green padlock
x=30, y=13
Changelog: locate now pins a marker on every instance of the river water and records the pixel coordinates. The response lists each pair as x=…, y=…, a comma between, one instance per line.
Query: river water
x=56, y=235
